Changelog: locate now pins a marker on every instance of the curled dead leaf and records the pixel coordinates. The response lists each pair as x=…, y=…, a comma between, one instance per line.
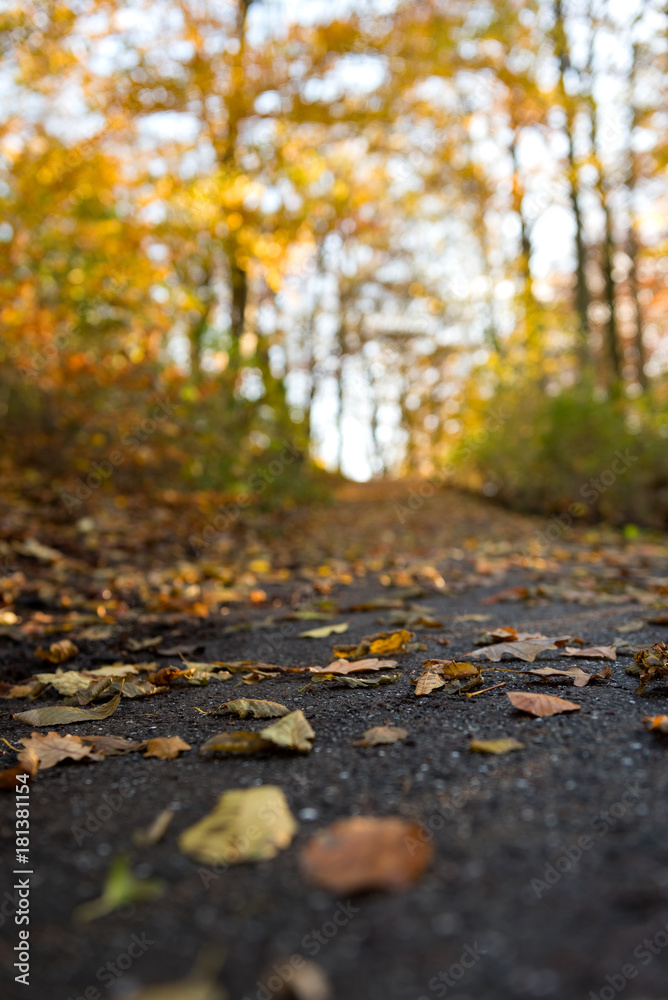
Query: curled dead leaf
x=63, y=715
x=345, y=667
x=58, y=652
x=249, y=706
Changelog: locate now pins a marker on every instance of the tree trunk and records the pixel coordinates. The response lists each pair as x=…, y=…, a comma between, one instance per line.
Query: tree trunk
x=582, y=298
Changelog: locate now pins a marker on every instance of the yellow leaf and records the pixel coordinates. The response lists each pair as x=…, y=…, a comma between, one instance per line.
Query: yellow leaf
x=63, y=715
x=247, y=824
x=166, y=747
x=496, y=746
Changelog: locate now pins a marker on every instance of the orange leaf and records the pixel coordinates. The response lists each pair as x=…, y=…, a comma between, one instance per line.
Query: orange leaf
x=367, y=852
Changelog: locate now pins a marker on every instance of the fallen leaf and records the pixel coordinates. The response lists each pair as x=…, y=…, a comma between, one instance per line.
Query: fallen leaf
x=378, y=643
x=51, y=748
x=324, y=630
x=154, y=833
x=429, y=681
x=471, y=618
x=28, y=764
x=658, y=722
x=119, y=669
x=292, y=731
x=236, y=742
x=452, y=669
x=28, y=689
x=247, y=824
x=496, y=746
x=121, y=888
x=366, y=852
x=58, y=652
x=540, y=705
x=135, y=645
x=111, y=746
x=381, y=734
x=66, y=682
x=659, y=619
x=525, y=649
x=308, y=981
x=579, y=677
x=185, y=989
x=653, y=663
x=63, y=715
x=633, y=626
x=594, y=652
x=166, y=676
x=345, y=667
x=95, y=689
x=166, y=747
x=357, y=682
x=249, y=706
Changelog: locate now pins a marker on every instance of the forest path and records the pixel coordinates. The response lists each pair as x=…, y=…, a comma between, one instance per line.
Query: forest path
x=515, y=903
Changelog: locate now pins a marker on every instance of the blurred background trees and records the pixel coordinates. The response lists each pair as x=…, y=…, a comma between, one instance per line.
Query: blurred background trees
x=420, y=238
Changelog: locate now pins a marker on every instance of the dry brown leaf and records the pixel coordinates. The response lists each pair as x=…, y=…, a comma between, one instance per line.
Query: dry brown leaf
x=51, y=748
x=63, y=715
x=594, y=652
x=428, y=681
x=247, y=824
x=166, y=747
x=540, y=705
x=579, y=677
x=524, y=649
x=58, y=652
x=111, y=746
x=345, y=667
x=496, y=746
x=292, y=732
x=381, y=734
x=249, y=706
x=366, y=852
